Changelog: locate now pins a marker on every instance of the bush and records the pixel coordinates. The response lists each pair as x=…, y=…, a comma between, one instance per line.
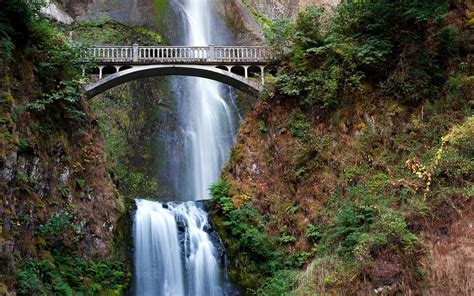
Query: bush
x=280, y=283
x=221, y=196
x=69, y=275
x=361, y=228
x=60, y=230
x=402, y=45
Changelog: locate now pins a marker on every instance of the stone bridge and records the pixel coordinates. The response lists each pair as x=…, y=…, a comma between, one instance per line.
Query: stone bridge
x=242, y=67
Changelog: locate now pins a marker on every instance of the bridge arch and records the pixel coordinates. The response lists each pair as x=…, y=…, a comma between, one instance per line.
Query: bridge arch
x=202, y=71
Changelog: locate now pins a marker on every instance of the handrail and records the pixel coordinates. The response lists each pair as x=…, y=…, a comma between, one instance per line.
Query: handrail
x=179, y=54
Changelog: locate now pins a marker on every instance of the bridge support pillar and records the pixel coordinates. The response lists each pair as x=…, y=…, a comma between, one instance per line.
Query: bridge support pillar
x=246, y=71
x=100, y=71
x=262, y=73
x=117, y=68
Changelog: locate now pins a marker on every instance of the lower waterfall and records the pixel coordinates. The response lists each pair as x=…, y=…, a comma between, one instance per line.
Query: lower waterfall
x=174, y=254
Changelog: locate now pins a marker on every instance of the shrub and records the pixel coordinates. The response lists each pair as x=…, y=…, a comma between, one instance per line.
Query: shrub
x=403, y=46
x=280, y=283
x=60, y=230
x=313, y=233
x=69, y=275
x=221, y=196
x=361, y=228
x=300, y=128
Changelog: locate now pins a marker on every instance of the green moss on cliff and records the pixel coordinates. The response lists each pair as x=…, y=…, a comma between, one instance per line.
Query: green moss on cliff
x=108, y=31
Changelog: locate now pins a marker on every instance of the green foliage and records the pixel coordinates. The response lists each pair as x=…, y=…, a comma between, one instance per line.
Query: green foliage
x=55, y=61
x=286, y=238
x=360, y=228
x=23, y=146
x=80, y=183
x=297, y=259
x=70, y=275
x=112, y=32
x=246, y=225
x=66, y=96
x=403, y=46
x=18, y=23
x=23, y=182
x=313, y=233
x=264, y=22
x=300, y=128
x=246, y=233
x=455, y=158
x=62, y=271
x=280, y=283
x=221, y=196
x=137, y=183
x=262, y=126
x=60, y=230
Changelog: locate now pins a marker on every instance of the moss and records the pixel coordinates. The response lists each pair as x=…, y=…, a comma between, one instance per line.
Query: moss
x=264, y=22
x=3, y=289
x=108, y=31
x=160, y=7
x=8, y=98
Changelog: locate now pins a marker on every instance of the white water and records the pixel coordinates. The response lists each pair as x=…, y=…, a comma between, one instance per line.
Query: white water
x=209, y=123
x=158, y=266
x=174, y=254
x=200, y=253
x=168, y=238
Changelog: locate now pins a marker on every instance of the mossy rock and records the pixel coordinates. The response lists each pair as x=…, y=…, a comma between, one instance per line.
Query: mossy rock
x=3, y=289
x=8, y=98
x=40, y=241
x=110, y=292
x=46, y=255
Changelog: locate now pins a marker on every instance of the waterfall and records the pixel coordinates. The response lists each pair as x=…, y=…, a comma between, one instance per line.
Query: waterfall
x=174, y=254
x=208, y=118
x=157, y=261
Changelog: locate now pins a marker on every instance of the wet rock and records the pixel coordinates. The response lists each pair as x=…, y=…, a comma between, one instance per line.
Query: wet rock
x=7, y=166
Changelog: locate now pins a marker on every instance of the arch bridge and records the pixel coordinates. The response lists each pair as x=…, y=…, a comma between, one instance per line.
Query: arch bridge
x=242, y=67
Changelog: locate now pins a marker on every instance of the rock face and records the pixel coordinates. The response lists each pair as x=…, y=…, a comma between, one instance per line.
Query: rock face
x=42, y=179
x=51, y=166
x=54, y=12
x=128, y=11
x=273, y=9
x=246, y=30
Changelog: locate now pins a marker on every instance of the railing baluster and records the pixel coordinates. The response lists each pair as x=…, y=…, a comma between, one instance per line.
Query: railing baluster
x=179, y=54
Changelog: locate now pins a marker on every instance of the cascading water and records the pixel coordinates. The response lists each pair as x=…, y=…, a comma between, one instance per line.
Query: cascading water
x=174, y=254
x=210, y=125
x=158, y=267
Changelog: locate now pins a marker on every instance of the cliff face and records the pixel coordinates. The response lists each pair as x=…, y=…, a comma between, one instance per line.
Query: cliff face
x=273, y=9
x=51, y=168
x=46, y=169
x=128, y=11
x=60, y=213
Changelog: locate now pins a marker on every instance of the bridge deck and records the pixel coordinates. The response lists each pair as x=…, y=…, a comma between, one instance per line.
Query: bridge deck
x=198, y=55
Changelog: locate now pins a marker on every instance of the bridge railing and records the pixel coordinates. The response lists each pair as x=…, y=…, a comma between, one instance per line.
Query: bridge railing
x=179, y=54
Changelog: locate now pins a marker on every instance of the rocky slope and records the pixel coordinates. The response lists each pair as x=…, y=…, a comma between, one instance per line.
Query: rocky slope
x=342, y=190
